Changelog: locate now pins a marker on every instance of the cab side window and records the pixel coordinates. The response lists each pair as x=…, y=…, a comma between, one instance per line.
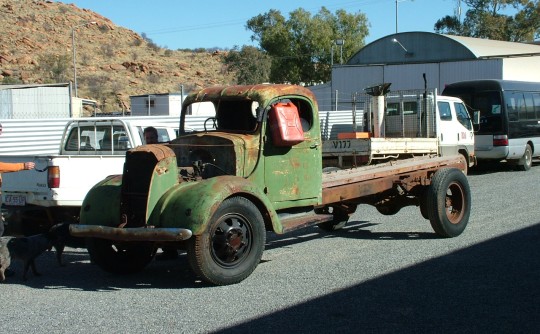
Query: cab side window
x=444, y=111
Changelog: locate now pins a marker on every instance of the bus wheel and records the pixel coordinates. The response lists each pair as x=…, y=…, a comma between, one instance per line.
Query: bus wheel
x=525, y=163
x=449, y=202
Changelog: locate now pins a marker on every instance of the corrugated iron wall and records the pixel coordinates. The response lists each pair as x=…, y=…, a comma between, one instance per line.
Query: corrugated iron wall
x=31, y=136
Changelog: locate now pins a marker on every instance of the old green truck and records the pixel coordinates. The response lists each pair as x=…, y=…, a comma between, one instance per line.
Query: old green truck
x=256, y=167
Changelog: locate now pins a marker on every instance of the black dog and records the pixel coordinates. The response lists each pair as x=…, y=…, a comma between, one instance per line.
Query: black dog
x=26, y=249
x=61, y=238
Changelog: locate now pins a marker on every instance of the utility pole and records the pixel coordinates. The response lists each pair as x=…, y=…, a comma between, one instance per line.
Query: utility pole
x=75, y=53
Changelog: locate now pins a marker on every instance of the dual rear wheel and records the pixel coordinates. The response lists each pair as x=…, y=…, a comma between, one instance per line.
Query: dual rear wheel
x=447, y=202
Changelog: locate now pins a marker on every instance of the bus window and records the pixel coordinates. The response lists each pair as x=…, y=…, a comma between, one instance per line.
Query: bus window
x=410, y=107
x=392, y=109
x=529, y=106
x=536, y=100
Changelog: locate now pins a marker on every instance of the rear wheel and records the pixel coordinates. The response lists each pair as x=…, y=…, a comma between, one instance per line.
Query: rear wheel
x=525, y=163
x=231, y=247
x=340, y=219
x=449, y=202
x=120, y=257
x=424, y=203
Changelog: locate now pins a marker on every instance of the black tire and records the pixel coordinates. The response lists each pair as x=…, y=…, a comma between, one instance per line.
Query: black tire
x=231, y=247
x=525, y=163
x=424, y=203
x=341, y=217
x=337, y=223
x=449, y=202
x=120, y=257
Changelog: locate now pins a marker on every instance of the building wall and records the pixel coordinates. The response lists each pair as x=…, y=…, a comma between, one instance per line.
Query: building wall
x=35, y=102
x=470, y=70
x=522, y=69
x=348, y=79
x=160, y=105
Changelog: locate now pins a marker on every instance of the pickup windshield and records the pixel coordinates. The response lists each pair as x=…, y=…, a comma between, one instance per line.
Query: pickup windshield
x=101, y=137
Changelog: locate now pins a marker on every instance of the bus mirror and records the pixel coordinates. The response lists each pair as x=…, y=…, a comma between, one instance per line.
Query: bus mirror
x=476, y=120
x=476, y=117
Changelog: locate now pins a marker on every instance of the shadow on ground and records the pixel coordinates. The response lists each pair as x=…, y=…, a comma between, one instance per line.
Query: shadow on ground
x=492, y=287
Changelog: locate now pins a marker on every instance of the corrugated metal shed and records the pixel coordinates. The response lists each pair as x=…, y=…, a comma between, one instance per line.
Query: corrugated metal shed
x=35, y=101
x=427, y=47
x=402, y=59
x=168, y=104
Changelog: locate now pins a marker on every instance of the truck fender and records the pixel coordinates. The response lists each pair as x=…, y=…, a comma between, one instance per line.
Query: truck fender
x=101, y=205
x=190, y=205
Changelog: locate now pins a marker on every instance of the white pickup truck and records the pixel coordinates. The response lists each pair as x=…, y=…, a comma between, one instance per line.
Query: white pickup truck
x=90, y=150
x=404, y=124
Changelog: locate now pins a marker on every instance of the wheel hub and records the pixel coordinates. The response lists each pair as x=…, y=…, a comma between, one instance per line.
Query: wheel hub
x=230, y=242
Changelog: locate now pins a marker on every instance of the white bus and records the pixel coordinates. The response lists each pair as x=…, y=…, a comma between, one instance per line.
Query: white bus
x=509, y=126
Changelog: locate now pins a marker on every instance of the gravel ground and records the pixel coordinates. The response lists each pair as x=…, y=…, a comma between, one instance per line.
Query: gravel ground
x=381, y=274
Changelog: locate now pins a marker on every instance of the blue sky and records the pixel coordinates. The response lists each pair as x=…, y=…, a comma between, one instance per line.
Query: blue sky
x=179, y=24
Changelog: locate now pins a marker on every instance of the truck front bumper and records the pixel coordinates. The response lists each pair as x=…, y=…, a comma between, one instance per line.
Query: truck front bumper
x=129, y=234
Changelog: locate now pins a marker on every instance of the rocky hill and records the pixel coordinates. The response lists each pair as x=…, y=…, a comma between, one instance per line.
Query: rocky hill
x=112, y=62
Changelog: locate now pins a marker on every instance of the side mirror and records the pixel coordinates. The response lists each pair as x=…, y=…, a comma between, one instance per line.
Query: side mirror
x=476, y=117
x=476, y=120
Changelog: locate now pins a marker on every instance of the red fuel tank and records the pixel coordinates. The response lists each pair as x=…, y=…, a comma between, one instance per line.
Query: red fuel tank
x=285, y=124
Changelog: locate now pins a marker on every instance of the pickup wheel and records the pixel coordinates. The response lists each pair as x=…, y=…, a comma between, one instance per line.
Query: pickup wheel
x=449, y=202
x=231, y=247
x=120, y=257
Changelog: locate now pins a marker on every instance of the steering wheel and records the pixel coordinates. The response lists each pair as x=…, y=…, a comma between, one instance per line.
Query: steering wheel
x=214, y=125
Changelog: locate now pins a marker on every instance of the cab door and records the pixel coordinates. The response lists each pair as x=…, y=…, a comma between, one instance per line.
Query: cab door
x=293, y=172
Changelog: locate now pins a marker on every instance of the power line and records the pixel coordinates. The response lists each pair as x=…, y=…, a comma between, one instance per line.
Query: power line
x=171, y=30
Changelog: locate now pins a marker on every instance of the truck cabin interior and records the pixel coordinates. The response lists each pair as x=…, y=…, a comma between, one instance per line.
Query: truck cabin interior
x=236, y=115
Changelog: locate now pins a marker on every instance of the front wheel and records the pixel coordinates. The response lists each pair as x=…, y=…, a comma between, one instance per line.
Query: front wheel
x=231, y=247
x=120, y=257
x=449, y=202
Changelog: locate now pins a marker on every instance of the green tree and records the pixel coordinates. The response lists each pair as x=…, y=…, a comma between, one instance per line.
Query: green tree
x=300, y=46
x=485, y=19
x=250, y=65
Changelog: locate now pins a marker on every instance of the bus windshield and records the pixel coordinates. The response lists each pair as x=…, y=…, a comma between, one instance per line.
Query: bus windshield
x=489, y=104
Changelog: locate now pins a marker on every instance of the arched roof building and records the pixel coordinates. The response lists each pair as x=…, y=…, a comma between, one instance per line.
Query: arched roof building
x=403, y=58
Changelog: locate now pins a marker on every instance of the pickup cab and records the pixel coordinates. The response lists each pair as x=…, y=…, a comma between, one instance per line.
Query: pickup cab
x=53, y=192
x=256, y=167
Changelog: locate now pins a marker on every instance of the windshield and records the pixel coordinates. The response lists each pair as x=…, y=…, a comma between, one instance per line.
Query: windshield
x=490, y=106
x=222, y=115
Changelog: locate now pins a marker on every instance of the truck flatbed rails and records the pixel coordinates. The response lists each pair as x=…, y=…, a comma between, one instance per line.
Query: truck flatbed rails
x=357, y=182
